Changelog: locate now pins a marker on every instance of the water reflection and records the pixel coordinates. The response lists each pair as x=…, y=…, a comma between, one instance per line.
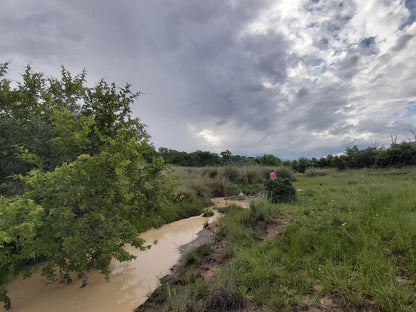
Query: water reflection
x=130, y=282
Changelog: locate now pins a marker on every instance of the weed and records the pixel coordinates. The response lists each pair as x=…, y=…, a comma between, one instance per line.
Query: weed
x=262, y=210
x=195, y=255
x=223, y=299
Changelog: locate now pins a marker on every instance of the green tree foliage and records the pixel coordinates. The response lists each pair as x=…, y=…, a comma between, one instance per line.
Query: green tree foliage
x=194, y=159
x=301, y=164
x=90, y=208
x=398, y=155
x=19, y=219
x=91, y=180
x=268, y=160
x=226, y=157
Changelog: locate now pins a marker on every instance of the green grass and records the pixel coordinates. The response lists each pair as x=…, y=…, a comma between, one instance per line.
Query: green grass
x=351, y=238
x=352, y=233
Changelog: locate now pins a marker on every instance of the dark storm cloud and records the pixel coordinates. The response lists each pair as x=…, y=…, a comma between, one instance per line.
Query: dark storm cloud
x=225, y=67
x=294, y=79
x=40, y=33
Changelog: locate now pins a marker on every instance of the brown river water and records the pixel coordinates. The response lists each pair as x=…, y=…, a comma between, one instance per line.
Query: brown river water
x=130, y=282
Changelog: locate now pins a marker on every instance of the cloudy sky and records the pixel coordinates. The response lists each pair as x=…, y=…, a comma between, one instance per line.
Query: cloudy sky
x=289, y=78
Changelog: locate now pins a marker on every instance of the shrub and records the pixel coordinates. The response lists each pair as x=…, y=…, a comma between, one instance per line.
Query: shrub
x=285, y=173
x=232, y=173
x=224, y=299
x=253, y=175
x=261, y=210
x=195, y=255
x=280, y=191
x=220, y=187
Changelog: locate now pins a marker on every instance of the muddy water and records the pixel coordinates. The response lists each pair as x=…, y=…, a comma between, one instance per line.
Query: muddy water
x=130, y=282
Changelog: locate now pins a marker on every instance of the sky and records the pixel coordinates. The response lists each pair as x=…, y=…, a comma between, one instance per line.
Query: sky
x=298, y=78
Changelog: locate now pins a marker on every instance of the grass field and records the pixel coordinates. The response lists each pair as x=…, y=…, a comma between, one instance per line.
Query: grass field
x=350, y=245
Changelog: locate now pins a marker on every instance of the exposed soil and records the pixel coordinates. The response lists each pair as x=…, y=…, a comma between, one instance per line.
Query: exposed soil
x=207, y=235
x=208, y=265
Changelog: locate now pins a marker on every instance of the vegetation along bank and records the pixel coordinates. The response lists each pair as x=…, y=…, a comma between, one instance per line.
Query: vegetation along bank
x=346, y=244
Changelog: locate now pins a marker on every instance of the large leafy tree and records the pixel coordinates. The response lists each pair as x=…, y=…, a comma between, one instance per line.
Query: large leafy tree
x=91, y=181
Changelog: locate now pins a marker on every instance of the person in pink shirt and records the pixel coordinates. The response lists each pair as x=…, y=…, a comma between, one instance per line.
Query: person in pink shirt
x=272, y=175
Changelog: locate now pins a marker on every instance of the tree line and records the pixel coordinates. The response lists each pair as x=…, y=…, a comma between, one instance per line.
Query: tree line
x=206, y=158
x=397, y=155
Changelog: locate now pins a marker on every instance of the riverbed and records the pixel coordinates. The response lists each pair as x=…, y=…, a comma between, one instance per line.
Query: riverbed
x=129, y=282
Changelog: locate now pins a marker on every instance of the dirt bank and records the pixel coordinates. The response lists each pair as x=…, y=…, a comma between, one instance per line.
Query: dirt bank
x=204, y=266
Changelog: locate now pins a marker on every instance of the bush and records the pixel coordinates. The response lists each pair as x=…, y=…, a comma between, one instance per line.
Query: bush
x=231, y=173
x=183, y=208
x=195, y=255
x=224, y=299
x=285, y=173
x=280, y=191
x=261, y=210
x=253, y=175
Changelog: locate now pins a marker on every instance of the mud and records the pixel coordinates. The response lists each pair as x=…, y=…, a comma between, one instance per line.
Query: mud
x=130, y=282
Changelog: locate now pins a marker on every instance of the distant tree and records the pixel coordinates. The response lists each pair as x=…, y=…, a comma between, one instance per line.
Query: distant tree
x=268, y=160
x=325, y=162
x=398, y=155
x=301, y=164
x=412, y=130
x=339, y=162
x=226, y=157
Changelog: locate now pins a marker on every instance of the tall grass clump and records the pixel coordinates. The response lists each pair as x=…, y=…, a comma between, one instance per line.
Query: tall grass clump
x=281, y=172
x=224, y=299
x=316, y=172
x=224, y=181
x=262, y=209
x=285, y=173
x=253, y=175
x=235, y=227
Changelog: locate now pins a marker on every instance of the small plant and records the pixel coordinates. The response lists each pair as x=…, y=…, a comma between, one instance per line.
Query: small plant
x=194, y=256
x=280, y=191
x=208, y=213
x=223, y=299
x=231, y=173
x=261, y=210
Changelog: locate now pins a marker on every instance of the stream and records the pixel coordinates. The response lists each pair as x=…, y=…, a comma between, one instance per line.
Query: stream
x=129, y=282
